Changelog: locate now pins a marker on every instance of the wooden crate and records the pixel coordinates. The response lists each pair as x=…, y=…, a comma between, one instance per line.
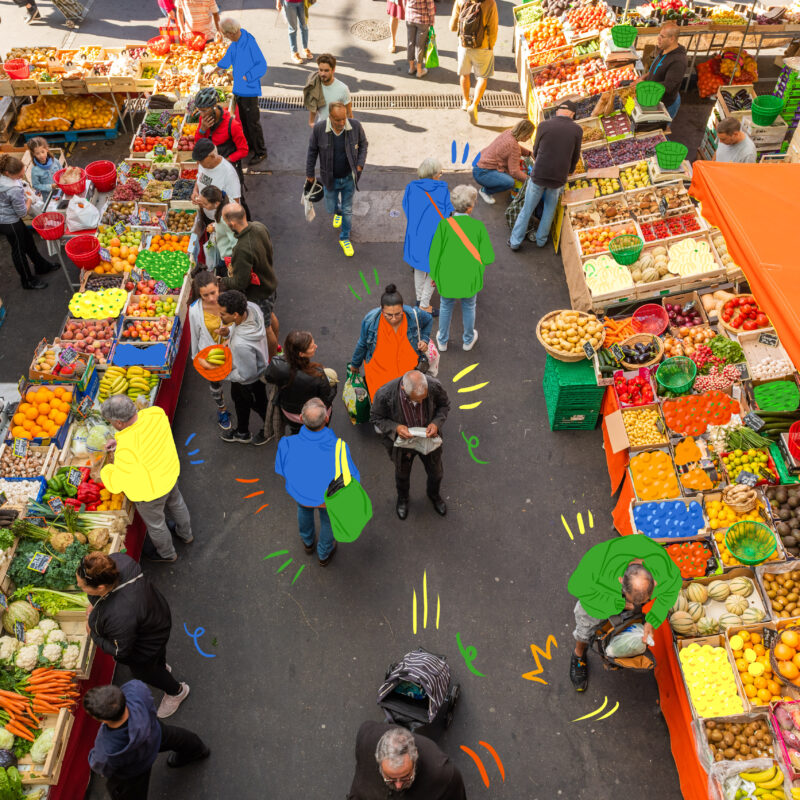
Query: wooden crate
x=47, y=774
x=51, y=457
x=73, y=623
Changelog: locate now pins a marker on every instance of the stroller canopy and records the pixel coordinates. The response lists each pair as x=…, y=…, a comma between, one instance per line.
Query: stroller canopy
x=426, y=670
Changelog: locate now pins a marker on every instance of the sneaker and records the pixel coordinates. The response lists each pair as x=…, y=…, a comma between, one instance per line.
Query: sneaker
x=256, y=159
x=235, y=436
x=514, y=249
x=224, y=420
x=157, y=559
x=170, y=703
x=474, y=339
x=465, y=105
x=579, y=673
x=337, y=220
x=323, y=562
x=31, y=15
x=347, y=247
x=487, y=198
x=442, y=347
x=473, y=113
x=34, y=283
x=259, y=439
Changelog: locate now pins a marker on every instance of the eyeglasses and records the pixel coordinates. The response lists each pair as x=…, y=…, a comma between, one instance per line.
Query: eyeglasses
x=404, y=780
x=82, y=570
x=392, y=316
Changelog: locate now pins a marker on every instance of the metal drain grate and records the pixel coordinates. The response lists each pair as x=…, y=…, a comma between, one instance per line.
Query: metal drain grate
x=364, y=100
x=371, y=30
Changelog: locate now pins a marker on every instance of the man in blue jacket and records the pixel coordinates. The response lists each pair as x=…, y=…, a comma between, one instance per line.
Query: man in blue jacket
x=249, y=66
x=132, y=736
x=308, y=464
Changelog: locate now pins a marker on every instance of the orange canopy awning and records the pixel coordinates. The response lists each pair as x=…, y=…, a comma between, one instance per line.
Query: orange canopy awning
x=757, y=209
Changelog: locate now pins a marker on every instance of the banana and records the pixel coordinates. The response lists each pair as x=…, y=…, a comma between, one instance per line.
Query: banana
x=773, y=783
x=762, y=776
x=135, y=370
x=796, y=793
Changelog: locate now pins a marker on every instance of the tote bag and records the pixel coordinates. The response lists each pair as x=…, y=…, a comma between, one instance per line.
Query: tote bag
x=346, y=502
x=431, y=53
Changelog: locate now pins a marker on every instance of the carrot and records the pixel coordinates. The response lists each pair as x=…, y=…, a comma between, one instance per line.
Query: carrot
x=23, y=733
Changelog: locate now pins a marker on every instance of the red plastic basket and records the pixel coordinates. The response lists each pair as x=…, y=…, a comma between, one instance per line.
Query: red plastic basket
x=159, y=45
x=650, y=318
x=70, y=188
x=794, y=439
x=103, y=174
x=84, y=251
x=49, y=225
x=17, y=69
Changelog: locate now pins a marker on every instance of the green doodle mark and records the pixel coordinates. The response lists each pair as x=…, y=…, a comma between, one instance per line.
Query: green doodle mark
x=469, y=654
x=473, y=441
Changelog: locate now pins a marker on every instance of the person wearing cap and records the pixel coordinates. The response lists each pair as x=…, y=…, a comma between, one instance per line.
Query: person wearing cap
x=735, y=146
x=669, y=67
x=214, y=170
x=556, y=151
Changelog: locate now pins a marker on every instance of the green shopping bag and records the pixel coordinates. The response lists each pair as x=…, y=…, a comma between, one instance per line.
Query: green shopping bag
x=431, y=53
x=356, y=397
x=346, y=502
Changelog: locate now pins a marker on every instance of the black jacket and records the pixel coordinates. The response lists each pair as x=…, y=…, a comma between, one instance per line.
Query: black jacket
x=293, y=396
x=557, y=148
x=669, y=69
x=321, y=144
x=132, y=623
x=253, y=253
x=387, y=412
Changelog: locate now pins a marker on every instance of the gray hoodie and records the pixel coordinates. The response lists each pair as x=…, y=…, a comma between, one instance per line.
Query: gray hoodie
x=248, y=345
x=12, y=200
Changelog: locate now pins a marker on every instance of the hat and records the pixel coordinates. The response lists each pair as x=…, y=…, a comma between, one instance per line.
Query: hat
x=202, y=149
x=569, y=105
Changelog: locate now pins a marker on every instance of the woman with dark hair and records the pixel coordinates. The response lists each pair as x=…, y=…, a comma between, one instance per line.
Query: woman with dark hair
x=216, y=239
x=393, y=339
x=130, y=620
x=298, y=378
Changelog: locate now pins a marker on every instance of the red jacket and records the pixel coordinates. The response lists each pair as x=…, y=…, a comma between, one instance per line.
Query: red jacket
x=220, y=135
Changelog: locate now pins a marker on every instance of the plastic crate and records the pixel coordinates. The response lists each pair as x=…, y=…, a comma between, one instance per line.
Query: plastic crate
x=572, y=396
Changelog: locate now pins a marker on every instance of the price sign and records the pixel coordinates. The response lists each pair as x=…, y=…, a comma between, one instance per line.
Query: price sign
x=67, y=356
x=161, y=288
x=660, y=427
x=143, y=182
x=617, y=351
x=84, y=406
x=133, y=219
x=744, y=373
x=38, y=521
x=144, y=216
x=752, y=420
x=124, y=169
x=40, y=562
x=747, y=478
x=104, y=254
x=74, y=477
x=769, y=339
x=57, y=504
x=162, y=224
x=769, y=637
x=119, y=228
x=688, y=307
x=29, y=598
x=19, y=632
x=160, y=150
x=589, y=350
x=20, y=448
x=3, y=498
x=663, y=206
x=3, y=600
x=166, y=194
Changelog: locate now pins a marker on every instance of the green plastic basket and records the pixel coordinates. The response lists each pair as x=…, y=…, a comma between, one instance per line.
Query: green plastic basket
x=677, y=374
x=625, y=248
x=765, y=109
x=649, y=93
x=623, y=35
x=750, y=542
x=670, y=155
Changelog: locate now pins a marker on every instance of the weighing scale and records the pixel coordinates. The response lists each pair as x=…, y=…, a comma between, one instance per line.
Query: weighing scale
x=649, y=118
x=659, y=175
x=9, y=399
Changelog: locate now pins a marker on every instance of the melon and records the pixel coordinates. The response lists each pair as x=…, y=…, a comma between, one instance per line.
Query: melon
x=20, y=611
x=752, y=615
x=729, y=621
x=681, y=604
x=682, y=623
x=697, y=593
x=649, y=275
x=646, y=260
x=659, y=251
x=736, y=604
x=718, y=590
x=636, y=274
x=706, y=626
x=695, y=611
x=741, y=586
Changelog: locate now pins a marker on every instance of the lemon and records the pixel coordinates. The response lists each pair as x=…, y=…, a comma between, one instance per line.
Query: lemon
x=756, y=669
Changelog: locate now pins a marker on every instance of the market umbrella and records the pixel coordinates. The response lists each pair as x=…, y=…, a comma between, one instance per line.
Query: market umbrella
x=750, y=13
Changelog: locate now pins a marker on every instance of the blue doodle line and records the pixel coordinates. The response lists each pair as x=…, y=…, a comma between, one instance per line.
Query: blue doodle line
x=186, y=443
x=198, y=632
x=464, y=155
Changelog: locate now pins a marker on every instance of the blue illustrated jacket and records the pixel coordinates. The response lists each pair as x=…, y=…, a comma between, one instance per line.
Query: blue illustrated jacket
x=423, y=219
x=307, y=462
x=368, y=337
x=249, y=65
x=42, y=174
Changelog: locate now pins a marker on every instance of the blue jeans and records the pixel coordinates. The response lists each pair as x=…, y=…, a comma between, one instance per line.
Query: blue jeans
x=305, y=521
x=295, y=14
x=492, y=180
x=340, y=201
x=467, y=317
x=533, y=194
x=673, y=109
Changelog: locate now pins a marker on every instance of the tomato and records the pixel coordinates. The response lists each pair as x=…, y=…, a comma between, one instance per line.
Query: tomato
x=761, y=320
x=750, y=325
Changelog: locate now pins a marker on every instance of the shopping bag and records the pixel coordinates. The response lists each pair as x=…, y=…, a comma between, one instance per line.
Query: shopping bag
x=347, y=503
x=171, y=33
x=431, y=53
x=356, y=398
x=81, y=215
x=308, y=208
x=433, y=359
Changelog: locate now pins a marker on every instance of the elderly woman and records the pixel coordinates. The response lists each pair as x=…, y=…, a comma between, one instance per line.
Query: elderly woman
x=460, y=251
x=499, y=165
x=426, y=202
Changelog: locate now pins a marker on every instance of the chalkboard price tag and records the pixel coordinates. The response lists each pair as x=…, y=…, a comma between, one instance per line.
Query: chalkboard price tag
x=162, y=224
x=744, y=373
x=161, y=288
x=663, y=206
x=67, y=356
x=75, y=477
x=752, y=420
x=688, y=307
x=38, y=521
x=160, y=150
x=3, y=600
x=20, y=448
x=589, y=350
x=164, y=118
x=617, y=351
x=660, y=427
x=84, y=406
x=28, y=597
x=57, y=504
x=144, y=216
x=40, y=562
x=143, y=182
x=769, y=637
x=19, y=632
x=166, y=194
x=769, y=339
x=124, y=168
x=104, y=254
x=747, y=478
x=3, y=498
x=119, y=228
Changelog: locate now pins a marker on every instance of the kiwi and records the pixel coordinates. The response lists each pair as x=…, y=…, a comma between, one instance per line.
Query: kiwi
x=789, y=541
x=785, y=514
x=783, y=529
x=793, y=502
x=781, y=495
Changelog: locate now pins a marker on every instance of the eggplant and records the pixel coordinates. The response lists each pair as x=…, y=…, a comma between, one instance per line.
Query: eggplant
x=7, y=759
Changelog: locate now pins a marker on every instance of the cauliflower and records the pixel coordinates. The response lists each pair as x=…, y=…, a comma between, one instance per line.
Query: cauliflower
x=56, y=636
x=34, y=636
x=52, y=652
x=47, y=625
x=8, y=646
x=70, y=658
x=27, y=656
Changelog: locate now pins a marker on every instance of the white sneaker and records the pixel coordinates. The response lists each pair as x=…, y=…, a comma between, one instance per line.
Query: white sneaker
x=465, y=105
x=170, y=704
x=487, y=198
x=474, y=339
x=442, y=347
x=473, y=113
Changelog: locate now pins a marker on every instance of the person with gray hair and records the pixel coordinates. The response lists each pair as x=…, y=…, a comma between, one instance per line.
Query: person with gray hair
x=409, y=412
x=407, y=763
x=143, y=464
x=307, y=463
x=460, y=251
x=425, y=202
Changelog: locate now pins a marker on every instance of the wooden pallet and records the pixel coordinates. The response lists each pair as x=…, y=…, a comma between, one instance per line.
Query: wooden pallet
x=72, y=135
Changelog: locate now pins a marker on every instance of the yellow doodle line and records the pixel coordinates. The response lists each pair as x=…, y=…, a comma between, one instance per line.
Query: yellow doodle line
x=598, y=710
x=424, y=605
x=581, y=528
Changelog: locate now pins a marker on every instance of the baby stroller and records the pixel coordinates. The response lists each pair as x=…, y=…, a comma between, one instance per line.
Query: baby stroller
x=418, y=694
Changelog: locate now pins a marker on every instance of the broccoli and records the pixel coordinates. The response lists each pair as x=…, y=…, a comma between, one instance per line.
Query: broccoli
x=60, y=573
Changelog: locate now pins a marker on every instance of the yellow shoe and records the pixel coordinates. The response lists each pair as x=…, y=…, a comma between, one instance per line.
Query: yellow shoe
x=337, y=220
x=347, y=247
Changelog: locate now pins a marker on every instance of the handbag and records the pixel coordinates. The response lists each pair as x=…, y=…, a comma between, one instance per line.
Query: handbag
x=347, y=503
x=423, y=364
x=461, y=235
x=356, y=398
x=431, y=53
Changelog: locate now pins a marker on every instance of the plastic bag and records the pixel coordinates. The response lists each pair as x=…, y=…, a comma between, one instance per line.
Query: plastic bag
x=724, y=782
x=628, y=643
x=81, y=215
x=308, y=208
x=433, y=359
x=431, y=53
x=356, y=398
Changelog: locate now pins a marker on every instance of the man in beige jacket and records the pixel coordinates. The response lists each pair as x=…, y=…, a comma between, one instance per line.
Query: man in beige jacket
x=476, y=23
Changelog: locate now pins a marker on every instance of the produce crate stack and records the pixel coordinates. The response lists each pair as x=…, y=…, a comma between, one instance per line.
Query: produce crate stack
x=788, y=88
x=572, y=395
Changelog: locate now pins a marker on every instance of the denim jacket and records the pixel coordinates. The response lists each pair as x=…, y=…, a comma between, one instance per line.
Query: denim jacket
x=369, y=333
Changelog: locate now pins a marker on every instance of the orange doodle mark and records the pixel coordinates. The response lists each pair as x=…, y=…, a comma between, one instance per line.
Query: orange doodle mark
x=248, y=480
x=479, y=764
x=537, y=651
x=254, y=494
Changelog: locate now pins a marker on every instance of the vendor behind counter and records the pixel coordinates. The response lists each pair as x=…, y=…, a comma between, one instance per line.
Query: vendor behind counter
x=669, y=67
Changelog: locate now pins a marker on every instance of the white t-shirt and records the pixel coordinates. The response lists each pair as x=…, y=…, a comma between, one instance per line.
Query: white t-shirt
x=337, y=92
x=223, y=176
x=743, y=152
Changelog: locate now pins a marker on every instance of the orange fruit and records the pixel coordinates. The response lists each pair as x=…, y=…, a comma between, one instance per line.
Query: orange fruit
x=796, y=660
x=44, y=409
x=755, y=638
x=31, y=412
x=114, y=242
x=53, y=412
x=18, y=432
x=18, y=419
x=784, y=652
x=741, y=665
x=747, y=678
x=760, y=682
x=750, y=690
x=41, y=421
x=29, y=425
x=763, y=695
x=788, y=670
x=759, y=650
x=790, y=639
x=774, y=687
x=744, y=636
x=60, y=418
x=132, y=258
x=67, y=398
x=58, y=392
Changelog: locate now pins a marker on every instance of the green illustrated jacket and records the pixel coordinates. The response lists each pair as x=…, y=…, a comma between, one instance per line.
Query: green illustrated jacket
x=456, y=272
x=596, y=584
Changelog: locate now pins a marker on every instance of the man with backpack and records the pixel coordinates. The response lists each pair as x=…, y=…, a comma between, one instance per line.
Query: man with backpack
x=476, y=23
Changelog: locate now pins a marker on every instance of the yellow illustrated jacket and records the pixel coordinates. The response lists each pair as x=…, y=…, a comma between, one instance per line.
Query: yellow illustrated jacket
x=146, y=464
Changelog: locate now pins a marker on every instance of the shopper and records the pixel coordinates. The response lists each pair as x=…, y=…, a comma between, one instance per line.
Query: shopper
x=168, y=10
x=476, y=22
x=215, y=239
x=244, y=323
x=294, y=12
x=307, y=462
x=214, y=170
x=669, y=67
x=131, y=737
x=341, y=146
x=205, y=321
x=393, y=339
x=425, y=202
x=735, y=146
x=43, y=165
x=250, y=270
x=420, y=16
x=222, y=128
x=460, y=252
x=144, y=465
x=129, y=619
x=249, y=67
x=557, y=148
x=32, y=13
x=396, y=9
x=391, y=759
x=298, y=378
x=199, y=16
x=322, y=89
x=413, y=401
x=499, y=166
x=644, y=570
x=16, y=198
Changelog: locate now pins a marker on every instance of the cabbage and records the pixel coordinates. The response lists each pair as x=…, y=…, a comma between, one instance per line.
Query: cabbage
x=6, y=739
x=97, y=438
x=42, y=746
x=78, y=445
